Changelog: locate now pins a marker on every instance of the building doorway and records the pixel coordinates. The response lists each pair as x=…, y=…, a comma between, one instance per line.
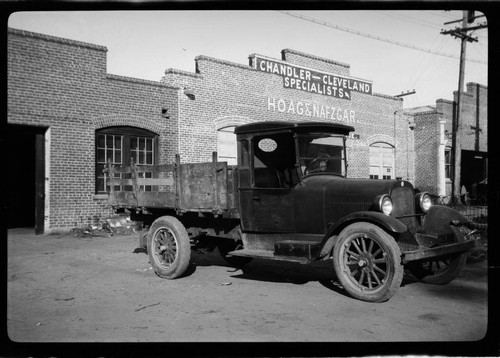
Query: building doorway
x=474, y=173
x=25, y=146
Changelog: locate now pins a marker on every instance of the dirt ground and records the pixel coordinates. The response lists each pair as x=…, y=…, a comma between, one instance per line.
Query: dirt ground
x=66, y=288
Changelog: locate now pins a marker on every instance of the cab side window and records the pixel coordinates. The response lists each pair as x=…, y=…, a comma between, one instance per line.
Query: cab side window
x=274, y=161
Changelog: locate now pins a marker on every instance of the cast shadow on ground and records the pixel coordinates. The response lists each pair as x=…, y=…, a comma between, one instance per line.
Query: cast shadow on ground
x=273, y=271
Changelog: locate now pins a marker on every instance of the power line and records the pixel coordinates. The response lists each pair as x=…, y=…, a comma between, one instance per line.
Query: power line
x=355, y=32
x=440, y=14
x=397, y=15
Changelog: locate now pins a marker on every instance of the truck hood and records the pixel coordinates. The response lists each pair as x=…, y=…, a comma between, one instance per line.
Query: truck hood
x=329, y=198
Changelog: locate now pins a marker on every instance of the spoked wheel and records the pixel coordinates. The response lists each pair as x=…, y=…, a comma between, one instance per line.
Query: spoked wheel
x=367, y=261
x=442, y=270
x=169, y=248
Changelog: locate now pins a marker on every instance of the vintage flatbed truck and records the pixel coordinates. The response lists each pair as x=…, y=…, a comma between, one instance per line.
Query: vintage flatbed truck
x=288, y=198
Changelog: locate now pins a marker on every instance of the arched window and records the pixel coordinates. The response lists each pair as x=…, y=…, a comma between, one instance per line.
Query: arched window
x=381, y=161
x=226, y=145
x=122, y=145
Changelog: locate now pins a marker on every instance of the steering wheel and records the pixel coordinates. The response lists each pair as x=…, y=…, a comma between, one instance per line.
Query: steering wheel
x=309, y=170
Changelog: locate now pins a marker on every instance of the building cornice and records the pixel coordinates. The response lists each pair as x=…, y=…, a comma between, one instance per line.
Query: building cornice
x=139, y=81
x=313, y=57
x=173, y=71
x=56, y=39
x=223, y=62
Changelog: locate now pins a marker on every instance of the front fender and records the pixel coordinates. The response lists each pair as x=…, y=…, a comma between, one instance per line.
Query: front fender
x=386, y=222
x=438, y=220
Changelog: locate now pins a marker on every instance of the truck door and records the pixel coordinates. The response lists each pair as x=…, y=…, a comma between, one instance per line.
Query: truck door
x=267, y=209
x=266, y=191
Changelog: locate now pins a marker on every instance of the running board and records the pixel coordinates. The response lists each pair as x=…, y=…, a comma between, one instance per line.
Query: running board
x=269, y=255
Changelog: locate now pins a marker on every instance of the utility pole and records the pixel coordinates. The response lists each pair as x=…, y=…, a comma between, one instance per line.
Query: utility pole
x=395, y=164
x=468, y=17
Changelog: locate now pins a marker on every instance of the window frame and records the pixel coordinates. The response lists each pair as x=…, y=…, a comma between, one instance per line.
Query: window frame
x=126, y=132
x=381, y=165
x=447, y=163
x=223, y=154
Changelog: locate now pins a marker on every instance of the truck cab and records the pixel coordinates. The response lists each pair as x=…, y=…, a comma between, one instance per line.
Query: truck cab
x=276, y=163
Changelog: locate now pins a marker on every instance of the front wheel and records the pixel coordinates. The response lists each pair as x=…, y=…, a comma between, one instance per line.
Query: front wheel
x=169, y=248
x=367, y=262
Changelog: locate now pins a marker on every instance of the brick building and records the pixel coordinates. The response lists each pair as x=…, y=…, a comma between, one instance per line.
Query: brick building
x=67, y=116
x=433, y=143
x=59, y=98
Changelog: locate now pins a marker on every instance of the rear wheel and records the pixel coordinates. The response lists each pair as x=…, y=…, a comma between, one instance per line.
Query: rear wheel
x=367, y=261
x=443, y=270
x=169, y=248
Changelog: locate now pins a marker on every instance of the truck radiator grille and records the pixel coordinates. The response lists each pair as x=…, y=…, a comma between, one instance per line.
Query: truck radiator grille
x=403, y=201
x=403, y=205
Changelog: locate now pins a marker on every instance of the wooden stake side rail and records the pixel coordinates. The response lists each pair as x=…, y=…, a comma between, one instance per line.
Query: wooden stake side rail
x=201, y=187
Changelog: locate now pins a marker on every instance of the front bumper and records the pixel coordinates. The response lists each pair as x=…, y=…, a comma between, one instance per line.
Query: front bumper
x=444, y=250
x=466, y=243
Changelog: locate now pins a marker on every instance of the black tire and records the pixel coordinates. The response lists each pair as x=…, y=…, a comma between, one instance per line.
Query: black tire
x=443, y=270
x=169, y=248
x=226, y=245
x=367, y=262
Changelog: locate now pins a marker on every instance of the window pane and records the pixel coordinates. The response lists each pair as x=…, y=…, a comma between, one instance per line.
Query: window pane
x=133, y=143
x=118, y=157
x=109, y=155
x=149, y=144
x=142, y=143
x=149, y=158
x=101, y=156
x=109, y=141
x=101, y=140
x=100, y=183
x=118, y=142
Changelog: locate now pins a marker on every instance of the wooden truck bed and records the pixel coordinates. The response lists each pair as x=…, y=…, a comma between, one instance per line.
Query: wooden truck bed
x=196, y=187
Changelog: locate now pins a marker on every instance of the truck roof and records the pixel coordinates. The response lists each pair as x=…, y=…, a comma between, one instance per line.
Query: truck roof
x=269, y=126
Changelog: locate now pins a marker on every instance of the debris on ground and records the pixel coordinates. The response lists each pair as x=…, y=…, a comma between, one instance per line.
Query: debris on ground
x=113, y=225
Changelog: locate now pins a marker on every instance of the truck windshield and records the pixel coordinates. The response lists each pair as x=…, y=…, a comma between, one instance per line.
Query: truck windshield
x=321, y=153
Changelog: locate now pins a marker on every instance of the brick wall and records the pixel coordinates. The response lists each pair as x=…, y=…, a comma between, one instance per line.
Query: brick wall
x=63, y=85
x=426, y=149
x=227, y=93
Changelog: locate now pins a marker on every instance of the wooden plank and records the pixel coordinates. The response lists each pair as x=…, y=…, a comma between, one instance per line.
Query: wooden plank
x=118, y=181
x=156, y=199
x=122, y=198
x=155, y=181
x=120, y=169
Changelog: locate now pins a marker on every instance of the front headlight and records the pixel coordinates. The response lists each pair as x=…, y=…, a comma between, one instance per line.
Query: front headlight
x=385, y=204
x=424, y=201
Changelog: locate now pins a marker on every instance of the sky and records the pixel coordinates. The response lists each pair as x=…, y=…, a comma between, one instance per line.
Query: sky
x=399, y=51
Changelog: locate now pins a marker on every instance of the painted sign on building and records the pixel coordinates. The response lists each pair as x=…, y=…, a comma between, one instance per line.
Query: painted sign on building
x=311, y=110
x=313, y=81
